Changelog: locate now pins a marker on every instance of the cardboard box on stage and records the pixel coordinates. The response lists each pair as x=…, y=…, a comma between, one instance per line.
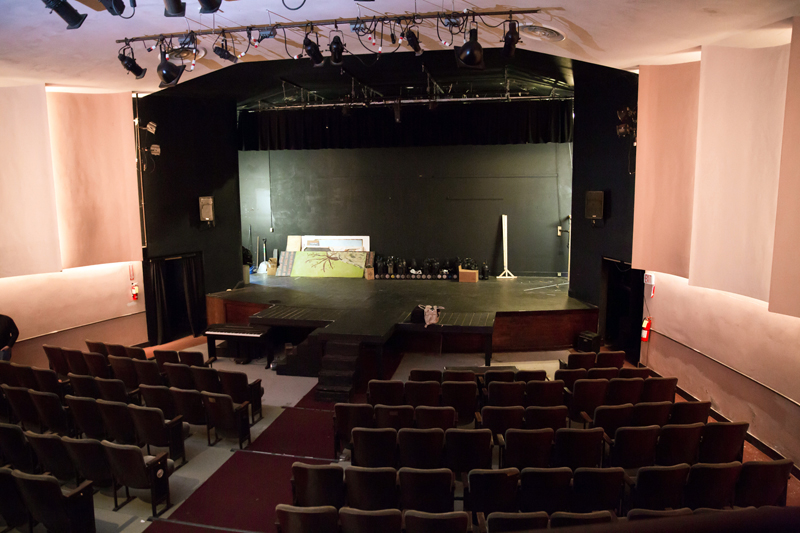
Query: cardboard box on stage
x=467, y=276
x=272, y=267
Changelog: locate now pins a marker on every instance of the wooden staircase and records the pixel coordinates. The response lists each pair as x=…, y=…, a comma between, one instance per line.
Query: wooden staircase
x=339, y=372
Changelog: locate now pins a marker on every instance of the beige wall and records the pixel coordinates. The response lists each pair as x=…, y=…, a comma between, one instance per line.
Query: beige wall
x=29, y=230
x=42, y=304
x=784, y=296
x=741, y=333
x=665, y=161
x=94, y=169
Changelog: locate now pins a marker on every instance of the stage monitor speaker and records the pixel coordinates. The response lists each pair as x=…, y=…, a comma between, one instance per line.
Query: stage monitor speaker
x=594, y=204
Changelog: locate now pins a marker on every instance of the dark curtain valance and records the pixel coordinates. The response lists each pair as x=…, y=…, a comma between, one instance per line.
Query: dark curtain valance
x=546, y=121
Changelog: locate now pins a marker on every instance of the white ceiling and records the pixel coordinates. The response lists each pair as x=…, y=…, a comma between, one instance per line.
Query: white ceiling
x=35, y=46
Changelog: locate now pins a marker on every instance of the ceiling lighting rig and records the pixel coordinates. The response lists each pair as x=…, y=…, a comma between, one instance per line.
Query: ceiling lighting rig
x=398, y=30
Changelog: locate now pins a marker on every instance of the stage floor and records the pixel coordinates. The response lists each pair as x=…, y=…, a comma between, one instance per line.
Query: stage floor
x=520, y=294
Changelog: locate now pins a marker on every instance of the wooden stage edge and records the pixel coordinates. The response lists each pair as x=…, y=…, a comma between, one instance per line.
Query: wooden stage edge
x=520, y=331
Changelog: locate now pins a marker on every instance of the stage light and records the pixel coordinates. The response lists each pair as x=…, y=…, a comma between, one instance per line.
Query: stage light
x=129, y=62
x=312, y=50
x=223, y=53
x=169, y=72
x=413, y=42
x=337, y=51
x=209, y=6
x=66, y=12
x=511, y=38
x=115, y=7
x=174, y=8
x=471, y=54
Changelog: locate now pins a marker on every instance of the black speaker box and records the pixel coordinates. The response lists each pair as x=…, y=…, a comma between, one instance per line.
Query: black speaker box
x=587, y=341
x=594, y=204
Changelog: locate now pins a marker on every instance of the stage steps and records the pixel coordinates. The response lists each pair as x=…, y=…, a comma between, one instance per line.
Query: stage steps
x=305, y=359
x=338, y=374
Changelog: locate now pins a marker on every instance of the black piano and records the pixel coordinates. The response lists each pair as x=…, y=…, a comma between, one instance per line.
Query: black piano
x=248, y=340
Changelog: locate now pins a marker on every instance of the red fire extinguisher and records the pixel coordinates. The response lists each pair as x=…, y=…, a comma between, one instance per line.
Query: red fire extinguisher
x=646, y=329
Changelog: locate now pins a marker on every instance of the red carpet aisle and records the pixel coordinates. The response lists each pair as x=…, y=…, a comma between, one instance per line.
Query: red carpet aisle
x=300, y=433
x=242, y=494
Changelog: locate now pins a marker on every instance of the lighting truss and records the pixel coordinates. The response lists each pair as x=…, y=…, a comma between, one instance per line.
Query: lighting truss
x=360, y=26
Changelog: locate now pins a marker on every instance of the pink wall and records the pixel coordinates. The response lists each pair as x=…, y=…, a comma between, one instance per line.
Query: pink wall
x=784, y=296
x=29, y=231
x=740, y=125
x=665, y=163
x=94, y=168
x=741, y=333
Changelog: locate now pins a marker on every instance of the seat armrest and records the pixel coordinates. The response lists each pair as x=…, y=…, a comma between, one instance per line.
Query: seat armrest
x=478, y=420
x=501, y=441
x=80, y=490
x=608, y=439
x=481, y=522
x=175, y=421
x=629, y=480
x=161, y=457
x=586, y=417
x=242, y=406
x=562, y=364
x=465, y=480
x=210, y=361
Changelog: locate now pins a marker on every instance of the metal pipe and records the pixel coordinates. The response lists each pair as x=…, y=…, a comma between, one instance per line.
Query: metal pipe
x=330, y=22
x=424, y=101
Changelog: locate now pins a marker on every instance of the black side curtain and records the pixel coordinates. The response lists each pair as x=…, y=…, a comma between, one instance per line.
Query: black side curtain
x=193, y=288
x=158, y=300
x=542, y=121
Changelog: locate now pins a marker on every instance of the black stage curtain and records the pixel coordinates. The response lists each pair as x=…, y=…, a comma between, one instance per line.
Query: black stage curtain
x=195, y=298
x=543, y=121
x=159, y=301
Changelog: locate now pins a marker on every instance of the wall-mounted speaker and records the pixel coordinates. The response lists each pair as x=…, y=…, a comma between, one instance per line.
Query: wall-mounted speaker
x=207, y=208
x=594, y=204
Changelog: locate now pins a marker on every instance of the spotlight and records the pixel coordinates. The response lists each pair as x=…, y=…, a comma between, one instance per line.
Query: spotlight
x=174, y=8
x=209, y=6
x=223, y=53
x=337, y=51
x=511, y=38
x=471, y=54
x=129, y=62
x=66, y=12
x=312, y=50
x=169, y=72
x=413, y=42
x=115, y=7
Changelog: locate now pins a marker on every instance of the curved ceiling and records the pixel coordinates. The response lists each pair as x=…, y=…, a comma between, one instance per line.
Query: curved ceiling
x=35, y=47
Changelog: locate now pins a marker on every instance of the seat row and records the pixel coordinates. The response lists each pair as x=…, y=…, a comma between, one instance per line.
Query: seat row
x=326, y=519
x=462, y=450
x=589, y=360
x=68, y=462
x=132, y=423
x=549, y=490
x=583, y=394
x=125, y=377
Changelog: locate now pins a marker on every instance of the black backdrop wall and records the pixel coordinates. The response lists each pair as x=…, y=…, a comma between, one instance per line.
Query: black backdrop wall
x=603, y=162
x=421, y=202
x=198, y=158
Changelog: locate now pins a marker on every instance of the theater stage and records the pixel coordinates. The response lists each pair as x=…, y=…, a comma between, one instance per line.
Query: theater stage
x=531, y=313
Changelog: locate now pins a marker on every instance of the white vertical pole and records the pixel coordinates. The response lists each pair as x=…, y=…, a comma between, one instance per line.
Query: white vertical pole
x=506, y=274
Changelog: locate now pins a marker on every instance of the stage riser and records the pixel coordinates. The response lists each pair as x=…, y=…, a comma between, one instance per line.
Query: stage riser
x=513, y=331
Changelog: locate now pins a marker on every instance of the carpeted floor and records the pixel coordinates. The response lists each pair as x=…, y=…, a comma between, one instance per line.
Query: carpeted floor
x=242, y=494
x=300, y=433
